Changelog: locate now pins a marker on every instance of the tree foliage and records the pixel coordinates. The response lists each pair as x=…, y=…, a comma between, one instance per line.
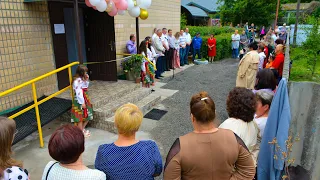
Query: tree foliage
x=310, y=49
x=295, y=1
x=312, y=44
x=183, y=21
x=260, y=12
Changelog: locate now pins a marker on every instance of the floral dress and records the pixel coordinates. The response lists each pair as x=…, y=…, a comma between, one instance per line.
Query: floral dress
x=78, y=114
x=147, y=71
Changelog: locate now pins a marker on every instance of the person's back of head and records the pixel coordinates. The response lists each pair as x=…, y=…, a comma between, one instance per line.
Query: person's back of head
x=128, y=119
x=266, y=80
x=265, y=98
x=241, y=104
x=7, y=132
x=143, y=47
x=202, y=108
x=261, y=48
x=253, y=46
x=66, y=144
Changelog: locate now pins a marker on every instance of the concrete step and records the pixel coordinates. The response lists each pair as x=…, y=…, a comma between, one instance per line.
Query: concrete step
x=102, y=94
x=110, y=108
x=146, y=104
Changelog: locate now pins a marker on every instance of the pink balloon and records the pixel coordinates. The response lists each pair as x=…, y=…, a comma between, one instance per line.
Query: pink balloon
x=94, y=7
x=113, y=12
x=88, y=3
x=122, y=5
x=116, y=1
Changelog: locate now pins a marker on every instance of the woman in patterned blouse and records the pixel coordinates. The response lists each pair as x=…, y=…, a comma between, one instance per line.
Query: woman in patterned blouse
x=127, y=157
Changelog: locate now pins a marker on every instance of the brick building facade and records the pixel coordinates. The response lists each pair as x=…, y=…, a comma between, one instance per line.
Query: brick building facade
x=26, y=43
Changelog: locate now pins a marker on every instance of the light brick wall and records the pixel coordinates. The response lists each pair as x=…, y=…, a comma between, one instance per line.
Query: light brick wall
x=25, y=50
x=162, y=13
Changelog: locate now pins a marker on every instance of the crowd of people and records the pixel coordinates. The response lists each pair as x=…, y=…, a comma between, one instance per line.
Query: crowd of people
x=227, y=151
x=168, y=51
x=237, y=138
x=257, y=56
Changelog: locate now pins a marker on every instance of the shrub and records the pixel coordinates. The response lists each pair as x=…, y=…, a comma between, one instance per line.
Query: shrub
x=223, y=48
x=207, y=30
x=133, y=64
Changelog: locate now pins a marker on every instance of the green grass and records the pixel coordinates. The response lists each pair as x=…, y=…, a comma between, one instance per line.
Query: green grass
x=300, y=70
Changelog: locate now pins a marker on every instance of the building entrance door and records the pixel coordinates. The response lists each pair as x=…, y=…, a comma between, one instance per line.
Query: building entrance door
x=100, y=42
x=97, y=37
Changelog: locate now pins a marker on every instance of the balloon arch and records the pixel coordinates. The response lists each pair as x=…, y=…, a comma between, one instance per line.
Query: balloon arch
x=135, y=8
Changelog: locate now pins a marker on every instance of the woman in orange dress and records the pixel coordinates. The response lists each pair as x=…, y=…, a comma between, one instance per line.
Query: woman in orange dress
x=212, y=47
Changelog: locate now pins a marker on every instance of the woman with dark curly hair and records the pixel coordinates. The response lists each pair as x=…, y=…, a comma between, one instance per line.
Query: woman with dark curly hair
x=241, y=104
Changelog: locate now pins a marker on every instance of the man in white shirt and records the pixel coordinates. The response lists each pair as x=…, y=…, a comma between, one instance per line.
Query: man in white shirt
x=158, y=46
x=171, y=40
x=182, y=50
x=262, y=56
x=235, y=44
x=154, y=35
x=164, y=39
x=188, y=43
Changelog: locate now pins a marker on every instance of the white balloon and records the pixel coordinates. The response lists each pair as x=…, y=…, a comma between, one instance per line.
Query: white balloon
x=130, y=4
x=94, y=2
x=134, y=12
x=102, y=6
x=121, y=12
x=144, y=4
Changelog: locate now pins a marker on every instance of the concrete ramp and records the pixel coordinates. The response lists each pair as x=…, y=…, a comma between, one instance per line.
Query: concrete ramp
x=305, y=125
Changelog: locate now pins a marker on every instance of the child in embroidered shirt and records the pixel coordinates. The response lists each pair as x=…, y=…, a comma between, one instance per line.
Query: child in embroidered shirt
x=81, y=112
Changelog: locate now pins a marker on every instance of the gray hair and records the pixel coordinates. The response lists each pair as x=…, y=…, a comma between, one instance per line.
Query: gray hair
x=265, y=97
x=158, y=30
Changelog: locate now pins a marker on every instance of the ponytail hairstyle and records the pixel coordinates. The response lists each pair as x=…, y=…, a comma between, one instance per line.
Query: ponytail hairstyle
x=203, y=108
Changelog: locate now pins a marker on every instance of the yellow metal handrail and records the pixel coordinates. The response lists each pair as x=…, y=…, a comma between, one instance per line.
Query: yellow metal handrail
x=35, y=99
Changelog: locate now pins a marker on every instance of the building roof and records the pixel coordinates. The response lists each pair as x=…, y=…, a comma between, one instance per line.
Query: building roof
x=194, y=11
x=209, y=6
x=303, y=6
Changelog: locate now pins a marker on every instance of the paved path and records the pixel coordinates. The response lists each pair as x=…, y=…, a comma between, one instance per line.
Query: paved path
x=217, y=79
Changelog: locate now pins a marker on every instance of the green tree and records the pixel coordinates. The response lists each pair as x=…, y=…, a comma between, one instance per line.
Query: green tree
x=309, y=51
x=240, y=11
x=295, y=1
x=312, y=45
x=183, y=21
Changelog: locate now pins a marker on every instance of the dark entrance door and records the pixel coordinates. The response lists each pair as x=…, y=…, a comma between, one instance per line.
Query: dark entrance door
x=97, y=34
x=100, y=43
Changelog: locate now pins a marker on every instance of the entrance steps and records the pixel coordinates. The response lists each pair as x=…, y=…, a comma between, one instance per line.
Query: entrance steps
x=107, y=97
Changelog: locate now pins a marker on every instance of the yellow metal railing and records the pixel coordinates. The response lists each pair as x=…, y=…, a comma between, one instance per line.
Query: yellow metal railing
x=35, y=99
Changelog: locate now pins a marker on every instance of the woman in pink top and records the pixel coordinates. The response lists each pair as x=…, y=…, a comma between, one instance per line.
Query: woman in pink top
x=262, y=32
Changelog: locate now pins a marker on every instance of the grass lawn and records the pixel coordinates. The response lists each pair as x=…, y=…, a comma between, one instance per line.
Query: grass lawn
x=300, y=70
